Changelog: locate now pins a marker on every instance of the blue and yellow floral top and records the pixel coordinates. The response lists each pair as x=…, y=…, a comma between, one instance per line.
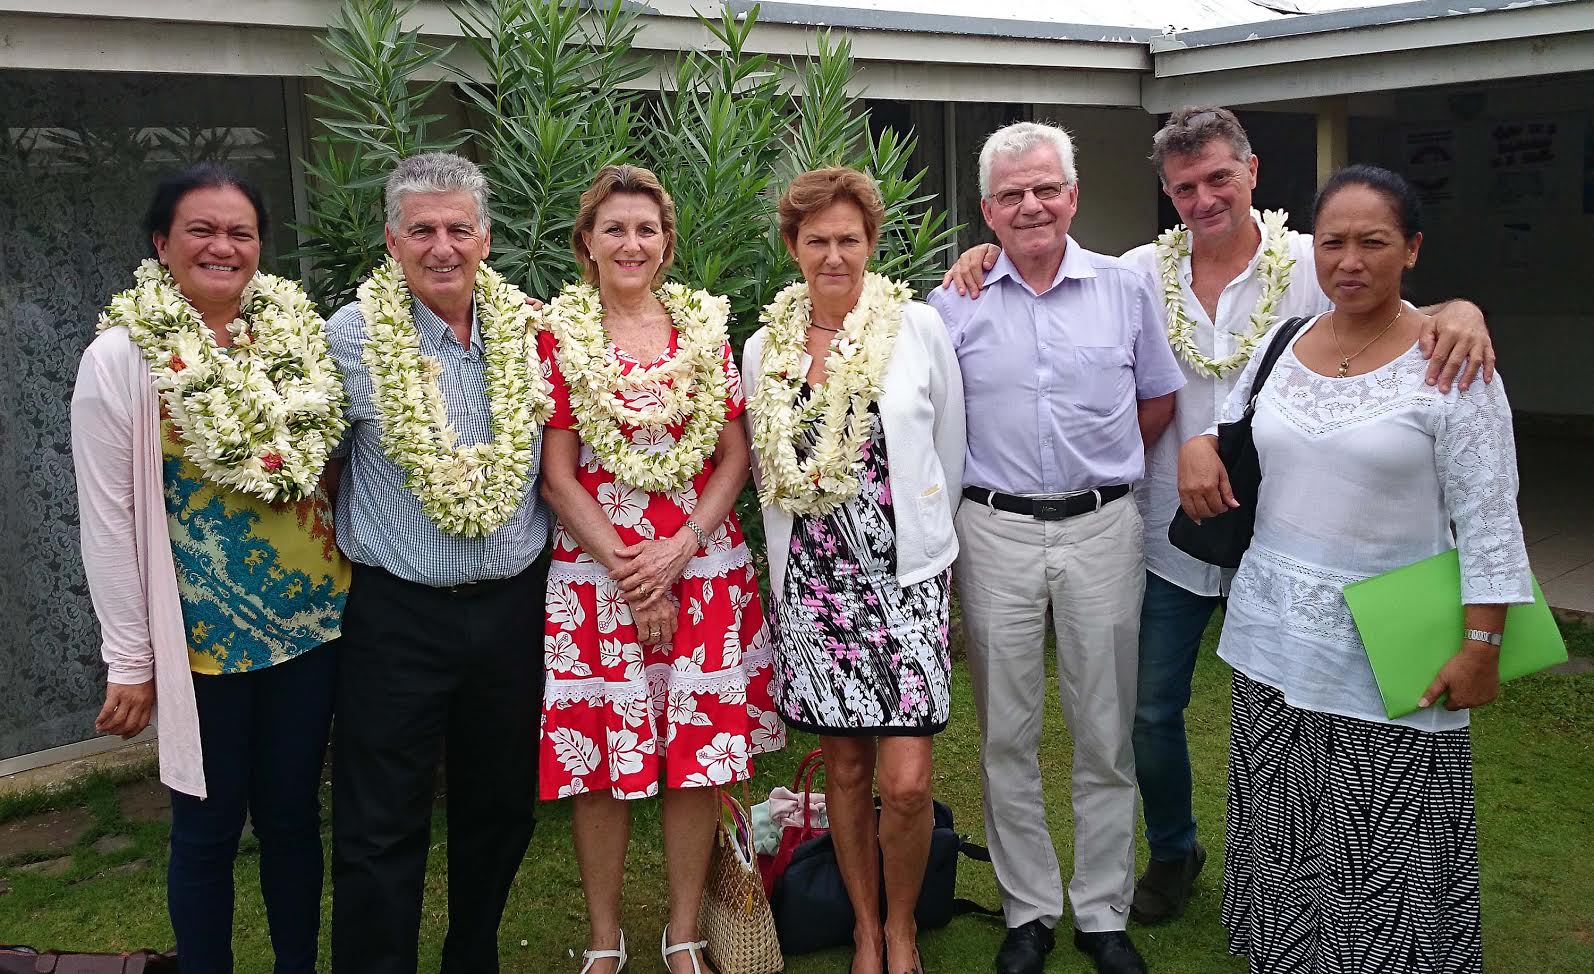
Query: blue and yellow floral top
x=259, y=583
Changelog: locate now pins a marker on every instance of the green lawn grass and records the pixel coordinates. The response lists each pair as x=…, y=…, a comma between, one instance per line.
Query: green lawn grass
x=1535, y=778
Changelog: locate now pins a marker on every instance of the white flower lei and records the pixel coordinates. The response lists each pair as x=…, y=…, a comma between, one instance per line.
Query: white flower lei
x=466, y=490
x=689, y=385
x=1174, y=245
x=854, y=369
x=260, y=417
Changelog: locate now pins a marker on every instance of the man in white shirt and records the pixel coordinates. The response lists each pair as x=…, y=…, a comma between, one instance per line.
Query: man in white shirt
x=1225, y=277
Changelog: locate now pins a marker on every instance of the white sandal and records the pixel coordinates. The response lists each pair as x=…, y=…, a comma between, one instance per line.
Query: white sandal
x=692, y=948
x=593, y=956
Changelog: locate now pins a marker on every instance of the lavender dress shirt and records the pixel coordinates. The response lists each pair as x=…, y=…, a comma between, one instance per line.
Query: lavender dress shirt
x=1050, y=380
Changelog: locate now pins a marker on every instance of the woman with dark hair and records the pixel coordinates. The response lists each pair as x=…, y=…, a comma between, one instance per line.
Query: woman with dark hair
x=1351, y=843
x=856, y=404
x=657, y=653
x=202, y=418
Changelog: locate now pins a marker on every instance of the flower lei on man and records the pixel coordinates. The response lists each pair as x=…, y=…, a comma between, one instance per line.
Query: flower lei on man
x=259, y=417
x=855, y=368
x=1173, y=246
x=689, y=385
x=471, y=490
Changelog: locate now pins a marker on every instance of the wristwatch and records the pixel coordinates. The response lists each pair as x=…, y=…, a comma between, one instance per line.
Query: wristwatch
x=1482, y=636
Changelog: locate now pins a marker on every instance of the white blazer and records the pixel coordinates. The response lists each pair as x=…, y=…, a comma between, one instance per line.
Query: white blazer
x=921, y=414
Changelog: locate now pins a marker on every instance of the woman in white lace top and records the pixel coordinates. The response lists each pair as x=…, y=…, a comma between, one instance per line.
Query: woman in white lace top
x=1351, y=839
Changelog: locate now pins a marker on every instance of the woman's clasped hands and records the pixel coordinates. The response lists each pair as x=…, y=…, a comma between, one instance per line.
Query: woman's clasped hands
x=645, y=572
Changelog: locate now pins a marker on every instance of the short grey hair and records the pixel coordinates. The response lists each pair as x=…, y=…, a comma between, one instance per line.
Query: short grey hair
x=1021, y=137
x=1188, y=131
x=435, y=172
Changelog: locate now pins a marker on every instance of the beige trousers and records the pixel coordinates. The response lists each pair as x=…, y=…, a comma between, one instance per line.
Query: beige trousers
x=1090, y=572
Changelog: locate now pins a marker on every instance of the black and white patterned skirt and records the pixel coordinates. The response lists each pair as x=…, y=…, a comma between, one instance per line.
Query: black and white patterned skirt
x=1351, y=845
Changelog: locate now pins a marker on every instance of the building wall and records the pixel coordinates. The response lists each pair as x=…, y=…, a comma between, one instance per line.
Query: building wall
x=1509, y=220
x=1117, y=185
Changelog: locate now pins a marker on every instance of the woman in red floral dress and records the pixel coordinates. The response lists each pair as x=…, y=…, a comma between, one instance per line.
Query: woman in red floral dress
x=658, y=657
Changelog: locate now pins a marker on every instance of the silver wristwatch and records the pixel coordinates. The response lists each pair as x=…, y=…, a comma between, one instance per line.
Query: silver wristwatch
x=1482, y=636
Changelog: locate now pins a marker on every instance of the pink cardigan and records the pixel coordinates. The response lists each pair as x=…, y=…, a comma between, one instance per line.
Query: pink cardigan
x=127, y=552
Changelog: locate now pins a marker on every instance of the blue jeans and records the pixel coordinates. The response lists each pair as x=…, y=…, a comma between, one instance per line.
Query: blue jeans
x=264, y=736
x=1172, y=620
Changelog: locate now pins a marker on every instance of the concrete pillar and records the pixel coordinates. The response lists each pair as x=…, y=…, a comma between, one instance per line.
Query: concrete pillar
x=1333, y=135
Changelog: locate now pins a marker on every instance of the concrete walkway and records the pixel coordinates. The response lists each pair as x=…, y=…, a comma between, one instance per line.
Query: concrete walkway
x=1557, y=505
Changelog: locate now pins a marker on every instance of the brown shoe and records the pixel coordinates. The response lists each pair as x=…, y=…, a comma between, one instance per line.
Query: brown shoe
x=1164, y=888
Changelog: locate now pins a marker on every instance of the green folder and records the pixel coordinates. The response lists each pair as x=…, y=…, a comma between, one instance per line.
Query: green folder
x=1410, y=620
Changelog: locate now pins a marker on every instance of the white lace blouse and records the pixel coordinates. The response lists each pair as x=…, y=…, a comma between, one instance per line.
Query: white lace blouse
x=1360, y=476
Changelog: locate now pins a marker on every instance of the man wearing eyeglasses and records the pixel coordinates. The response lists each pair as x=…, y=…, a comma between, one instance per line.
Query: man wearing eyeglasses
x=1067, y=374
x=1224, y=271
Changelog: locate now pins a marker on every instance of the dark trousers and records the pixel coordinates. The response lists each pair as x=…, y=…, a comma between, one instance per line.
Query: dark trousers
x=264, y=736
x=429, y=674
x=1172, y=621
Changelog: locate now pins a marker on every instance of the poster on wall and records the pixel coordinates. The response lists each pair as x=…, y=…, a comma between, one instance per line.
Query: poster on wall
x=1429, y=157
x=1521, y=155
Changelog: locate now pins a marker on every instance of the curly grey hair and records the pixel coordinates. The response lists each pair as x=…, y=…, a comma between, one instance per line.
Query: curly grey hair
x=1188, y=131
x=1019, y=138
x=435, y=172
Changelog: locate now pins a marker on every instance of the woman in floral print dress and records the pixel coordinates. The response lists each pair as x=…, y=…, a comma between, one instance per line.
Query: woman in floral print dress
x=858, y=435
x=658, y=656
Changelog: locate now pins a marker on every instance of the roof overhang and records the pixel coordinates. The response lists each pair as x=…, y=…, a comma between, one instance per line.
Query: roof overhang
x=1410, y=45
x=241, y=37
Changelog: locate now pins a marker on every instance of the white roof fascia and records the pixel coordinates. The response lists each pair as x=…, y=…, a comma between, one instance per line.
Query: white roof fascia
x=254, y=38
x=1182, y=55
x=660, y=31
x=1424, y=67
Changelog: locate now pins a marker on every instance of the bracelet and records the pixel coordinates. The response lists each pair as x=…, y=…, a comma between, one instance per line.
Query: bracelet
x=702, y=539
x=1482, y=636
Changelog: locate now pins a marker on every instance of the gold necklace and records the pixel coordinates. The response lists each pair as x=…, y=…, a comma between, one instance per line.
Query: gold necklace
x=1344, y=360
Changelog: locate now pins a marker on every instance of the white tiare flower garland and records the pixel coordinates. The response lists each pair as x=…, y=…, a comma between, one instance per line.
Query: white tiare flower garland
x=855, y=369
x=1274, y=270
x=689, y=385
x=261, y=416
x=472, y=490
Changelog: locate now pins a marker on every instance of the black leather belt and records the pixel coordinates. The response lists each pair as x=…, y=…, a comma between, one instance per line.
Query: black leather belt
x=1086, y=502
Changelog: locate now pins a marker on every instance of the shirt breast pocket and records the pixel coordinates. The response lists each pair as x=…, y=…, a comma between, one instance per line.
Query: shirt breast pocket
x=1105, y=378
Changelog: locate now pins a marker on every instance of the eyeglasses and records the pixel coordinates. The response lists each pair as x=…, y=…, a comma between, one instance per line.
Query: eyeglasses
x=1042, y=191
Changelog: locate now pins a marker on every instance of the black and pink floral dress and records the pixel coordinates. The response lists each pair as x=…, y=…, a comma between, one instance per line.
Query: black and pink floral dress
x=855, y=652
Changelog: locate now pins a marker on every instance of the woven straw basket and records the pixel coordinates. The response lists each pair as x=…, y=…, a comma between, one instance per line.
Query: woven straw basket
x=735, y=917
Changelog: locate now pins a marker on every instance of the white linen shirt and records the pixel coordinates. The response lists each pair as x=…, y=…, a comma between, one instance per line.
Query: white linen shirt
x=922, y=419
x=1361, y=476
x=1200, y=402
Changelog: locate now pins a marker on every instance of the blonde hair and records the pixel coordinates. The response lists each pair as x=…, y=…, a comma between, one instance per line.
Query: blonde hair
x=818, y=189
x=612, y=180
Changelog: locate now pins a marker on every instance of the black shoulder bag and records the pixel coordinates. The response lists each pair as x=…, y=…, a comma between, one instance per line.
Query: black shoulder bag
x=1222, y=539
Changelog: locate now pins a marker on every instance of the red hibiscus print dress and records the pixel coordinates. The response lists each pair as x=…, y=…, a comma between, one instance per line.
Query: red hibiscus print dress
x=625, y=716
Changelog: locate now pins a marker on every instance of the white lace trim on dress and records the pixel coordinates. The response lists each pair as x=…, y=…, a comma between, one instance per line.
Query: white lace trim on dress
x=717, y=563
x=662, y=677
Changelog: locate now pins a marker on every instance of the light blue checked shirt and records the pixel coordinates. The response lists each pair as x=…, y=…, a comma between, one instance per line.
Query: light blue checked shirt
x=380, y=522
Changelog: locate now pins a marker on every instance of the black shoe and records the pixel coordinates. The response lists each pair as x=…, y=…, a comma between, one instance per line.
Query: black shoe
x=1024, y=949
x=1112, y=952
x=1164, y=888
